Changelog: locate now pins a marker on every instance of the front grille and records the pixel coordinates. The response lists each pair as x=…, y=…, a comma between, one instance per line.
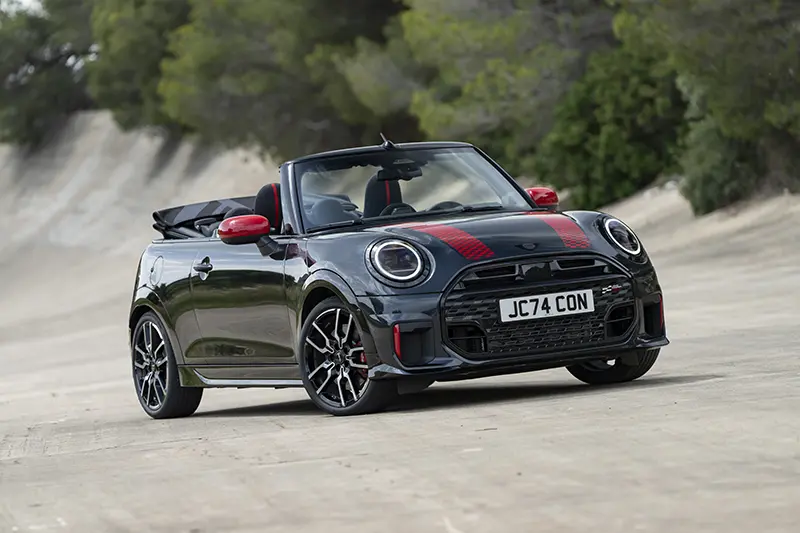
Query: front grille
x=471, y=312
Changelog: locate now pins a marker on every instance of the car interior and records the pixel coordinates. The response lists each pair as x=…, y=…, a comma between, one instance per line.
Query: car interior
x=267, y=204
x=321, y=208
x=383, y=196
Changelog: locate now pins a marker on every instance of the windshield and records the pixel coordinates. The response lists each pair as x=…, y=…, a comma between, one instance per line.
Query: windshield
x=396, y=184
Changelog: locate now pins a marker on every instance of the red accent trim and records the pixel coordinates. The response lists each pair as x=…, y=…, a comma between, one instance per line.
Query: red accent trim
x=461, y=241
x=277, y=203
x=396, y=335
x=388, y=194
x=243, y=226
x=568, y=230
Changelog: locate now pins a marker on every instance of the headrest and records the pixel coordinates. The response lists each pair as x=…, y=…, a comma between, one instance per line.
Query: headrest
x=379, y=194
x=237, y=212
x=328, y=211
x=268, y=205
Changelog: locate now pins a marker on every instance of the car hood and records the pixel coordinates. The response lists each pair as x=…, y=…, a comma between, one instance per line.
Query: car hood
x=498, y=235
x=457, y=241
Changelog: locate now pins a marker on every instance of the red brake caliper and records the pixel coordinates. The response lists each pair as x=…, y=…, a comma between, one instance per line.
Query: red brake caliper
x=363, y=360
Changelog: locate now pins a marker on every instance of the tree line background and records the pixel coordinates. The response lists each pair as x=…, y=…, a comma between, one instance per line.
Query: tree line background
x=600, y=97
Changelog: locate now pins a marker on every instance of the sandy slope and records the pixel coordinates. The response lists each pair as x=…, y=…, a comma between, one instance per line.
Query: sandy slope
x=83, y=209
x=709, y=441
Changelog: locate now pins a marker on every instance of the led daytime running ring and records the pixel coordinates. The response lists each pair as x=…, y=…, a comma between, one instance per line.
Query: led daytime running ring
x=378, y=248
x=607, y=224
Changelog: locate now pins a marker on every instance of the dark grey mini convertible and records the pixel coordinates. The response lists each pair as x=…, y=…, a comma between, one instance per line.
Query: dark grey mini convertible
x=369, y=272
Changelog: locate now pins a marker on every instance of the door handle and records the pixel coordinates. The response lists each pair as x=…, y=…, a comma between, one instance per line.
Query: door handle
x=203, y=267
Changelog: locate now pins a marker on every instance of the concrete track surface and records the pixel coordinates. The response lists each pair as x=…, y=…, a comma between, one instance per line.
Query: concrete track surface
x=708, y=441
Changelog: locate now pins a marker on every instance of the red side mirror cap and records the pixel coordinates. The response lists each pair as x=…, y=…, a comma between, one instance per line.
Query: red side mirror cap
x=243, y=229
x=543, y=197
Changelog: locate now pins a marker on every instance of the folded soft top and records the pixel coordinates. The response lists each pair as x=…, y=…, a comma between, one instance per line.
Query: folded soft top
x=180, y=220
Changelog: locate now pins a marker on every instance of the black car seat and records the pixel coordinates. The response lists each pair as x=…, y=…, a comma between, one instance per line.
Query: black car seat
x=379, y=194
x=208, y=230
x=237, y=212
x=268, y=205
x=329, y=211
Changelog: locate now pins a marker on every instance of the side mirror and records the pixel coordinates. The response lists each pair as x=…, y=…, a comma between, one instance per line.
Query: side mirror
x=543, y=197
x=244, y=229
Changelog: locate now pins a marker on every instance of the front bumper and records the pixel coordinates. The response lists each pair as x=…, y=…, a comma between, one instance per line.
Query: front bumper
x=415, y=335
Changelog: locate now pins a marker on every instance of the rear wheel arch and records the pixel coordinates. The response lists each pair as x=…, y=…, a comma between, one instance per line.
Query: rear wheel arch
x=152, y=304
x=137, y=313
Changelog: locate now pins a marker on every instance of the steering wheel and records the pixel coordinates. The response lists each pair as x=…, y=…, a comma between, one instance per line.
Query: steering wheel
x=444, y=205
x=391, y=209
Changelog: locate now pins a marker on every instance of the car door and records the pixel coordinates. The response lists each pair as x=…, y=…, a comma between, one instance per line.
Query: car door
x=239, y=298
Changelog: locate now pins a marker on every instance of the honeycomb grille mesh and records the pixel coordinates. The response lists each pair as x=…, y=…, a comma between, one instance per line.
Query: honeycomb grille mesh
x=544, y=335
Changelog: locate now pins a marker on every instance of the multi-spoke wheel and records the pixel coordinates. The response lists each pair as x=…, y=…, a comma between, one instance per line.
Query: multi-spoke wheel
x=624, y=368
x=155, y=373
x=334, y=366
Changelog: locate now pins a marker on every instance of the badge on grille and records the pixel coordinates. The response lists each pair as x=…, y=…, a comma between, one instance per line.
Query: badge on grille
x=611, y=289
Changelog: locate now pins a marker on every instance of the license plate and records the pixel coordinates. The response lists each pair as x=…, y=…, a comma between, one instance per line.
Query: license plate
x=546, y=305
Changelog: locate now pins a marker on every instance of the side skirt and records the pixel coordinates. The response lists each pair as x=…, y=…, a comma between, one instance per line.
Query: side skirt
x=266, y=376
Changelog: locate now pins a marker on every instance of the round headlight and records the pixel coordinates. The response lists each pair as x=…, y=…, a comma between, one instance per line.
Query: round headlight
x=623, y=236
x=396, y=260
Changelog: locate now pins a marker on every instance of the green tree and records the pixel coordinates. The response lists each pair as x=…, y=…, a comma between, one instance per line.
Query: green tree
x=718, y=170
x=738, y=66
x=72, y=20
x=41, y=69
x=501, y=66
x=617, y=129
x=132, y=37
x=272, y=73
x=383, y=77
x=741, y=54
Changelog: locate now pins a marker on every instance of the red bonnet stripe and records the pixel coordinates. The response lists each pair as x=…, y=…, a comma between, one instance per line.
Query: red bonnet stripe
x=567, y=229
x=461, y=241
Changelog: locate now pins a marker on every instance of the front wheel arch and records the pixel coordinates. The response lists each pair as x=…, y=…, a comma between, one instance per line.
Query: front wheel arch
x=332, y=281
x=318, y=294
x=322, y=285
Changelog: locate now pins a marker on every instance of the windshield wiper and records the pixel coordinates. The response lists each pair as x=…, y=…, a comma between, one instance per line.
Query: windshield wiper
x=476, y=208
x=340, y=224
x=361, y=221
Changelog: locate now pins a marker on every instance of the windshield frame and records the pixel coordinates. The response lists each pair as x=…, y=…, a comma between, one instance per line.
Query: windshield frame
x=294, y=178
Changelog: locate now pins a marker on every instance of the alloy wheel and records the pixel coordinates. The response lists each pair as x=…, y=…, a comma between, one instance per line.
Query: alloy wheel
x=335, y=360
x=150, y=365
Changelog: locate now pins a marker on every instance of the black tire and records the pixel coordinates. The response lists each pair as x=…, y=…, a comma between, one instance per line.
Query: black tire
x=624, y=368
x=325, y=374
x=161, y=395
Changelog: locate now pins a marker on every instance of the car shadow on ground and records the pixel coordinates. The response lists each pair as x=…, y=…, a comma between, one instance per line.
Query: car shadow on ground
x=439, y=397
x=447, y=397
